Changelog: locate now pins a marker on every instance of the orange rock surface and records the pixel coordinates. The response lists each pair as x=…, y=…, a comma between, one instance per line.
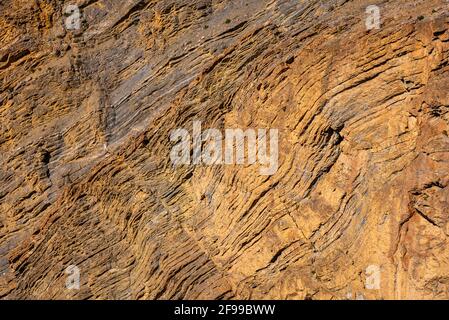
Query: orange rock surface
x=358, y=209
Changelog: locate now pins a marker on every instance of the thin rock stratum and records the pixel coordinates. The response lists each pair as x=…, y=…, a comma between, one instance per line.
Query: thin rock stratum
x=86, y=178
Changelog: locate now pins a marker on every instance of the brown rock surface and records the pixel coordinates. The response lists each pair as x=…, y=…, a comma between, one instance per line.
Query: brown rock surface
x=86, y=177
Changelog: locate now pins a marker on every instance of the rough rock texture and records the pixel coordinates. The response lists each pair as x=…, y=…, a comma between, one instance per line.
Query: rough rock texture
x=86, y=177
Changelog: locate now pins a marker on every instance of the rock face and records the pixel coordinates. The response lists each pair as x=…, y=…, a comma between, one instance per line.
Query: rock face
x=359, y=205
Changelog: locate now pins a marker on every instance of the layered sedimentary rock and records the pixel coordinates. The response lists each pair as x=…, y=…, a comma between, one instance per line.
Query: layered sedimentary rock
x=86, y=176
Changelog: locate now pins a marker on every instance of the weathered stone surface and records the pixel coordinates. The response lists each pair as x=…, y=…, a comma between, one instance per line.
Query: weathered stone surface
x=86, y=177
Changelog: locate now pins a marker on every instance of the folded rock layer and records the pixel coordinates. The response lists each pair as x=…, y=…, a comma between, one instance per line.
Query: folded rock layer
x=358, y=208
